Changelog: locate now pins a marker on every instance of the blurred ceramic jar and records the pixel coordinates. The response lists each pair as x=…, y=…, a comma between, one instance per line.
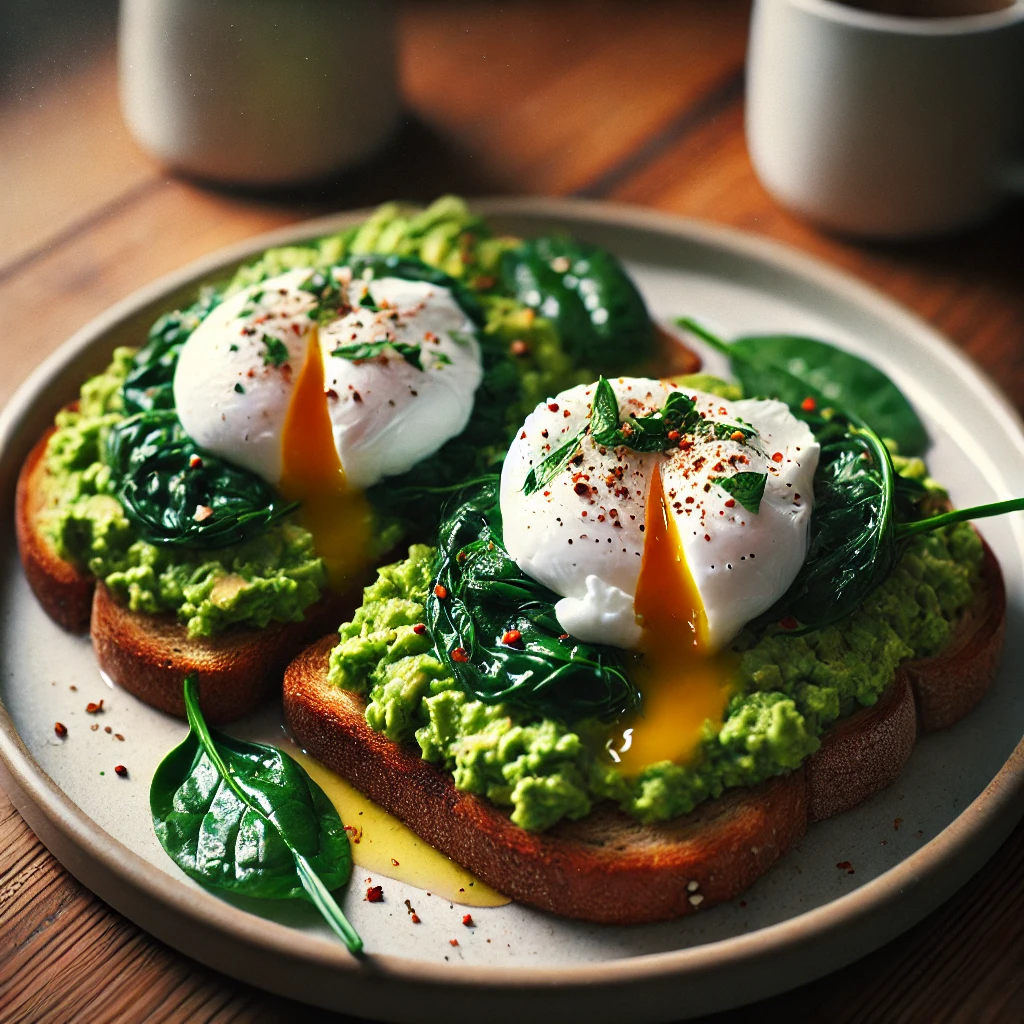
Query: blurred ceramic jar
x=259, y=92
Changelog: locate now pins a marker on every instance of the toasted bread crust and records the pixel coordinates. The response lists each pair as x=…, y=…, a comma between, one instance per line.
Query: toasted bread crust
x=64, y=591
x=610, y=868
x=607, y=867
x=149, y=655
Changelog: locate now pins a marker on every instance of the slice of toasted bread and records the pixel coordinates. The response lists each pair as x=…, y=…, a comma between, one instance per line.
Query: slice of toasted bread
x=149, y=655
x=64, y=590
x=608, y=867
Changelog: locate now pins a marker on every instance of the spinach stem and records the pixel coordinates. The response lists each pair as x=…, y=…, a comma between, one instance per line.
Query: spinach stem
x=959, y=515
x=691, y=325
x=311, y=881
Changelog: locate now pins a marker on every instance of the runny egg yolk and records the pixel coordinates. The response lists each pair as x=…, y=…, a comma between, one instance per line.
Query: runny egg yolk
x=682, y=683
x=338, y=517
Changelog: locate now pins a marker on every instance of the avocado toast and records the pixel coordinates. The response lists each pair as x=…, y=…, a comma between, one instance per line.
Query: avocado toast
x=516, y=775
x=177, y=511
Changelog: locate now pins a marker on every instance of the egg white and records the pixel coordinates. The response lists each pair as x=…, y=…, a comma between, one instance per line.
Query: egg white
x=386, y=414
x=582, y=535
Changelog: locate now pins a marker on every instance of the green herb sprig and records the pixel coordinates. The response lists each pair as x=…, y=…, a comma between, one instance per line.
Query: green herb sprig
x=360, y=351
x=248, y=819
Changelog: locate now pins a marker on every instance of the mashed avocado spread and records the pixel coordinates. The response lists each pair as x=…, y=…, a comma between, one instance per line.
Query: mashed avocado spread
x=789, y=691
x=277, y=575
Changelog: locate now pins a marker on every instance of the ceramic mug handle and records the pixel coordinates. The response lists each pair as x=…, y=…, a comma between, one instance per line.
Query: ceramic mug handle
x=885, y=126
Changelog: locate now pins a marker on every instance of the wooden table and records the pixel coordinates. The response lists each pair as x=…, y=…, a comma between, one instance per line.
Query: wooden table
x=632, y=102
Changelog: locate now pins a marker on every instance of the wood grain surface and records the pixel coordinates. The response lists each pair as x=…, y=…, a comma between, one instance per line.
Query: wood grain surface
x=634, y=102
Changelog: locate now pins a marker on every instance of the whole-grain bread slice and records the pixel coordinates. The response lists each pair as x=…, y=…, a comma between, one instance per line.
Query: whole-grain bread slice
x=149, y=655
x=608, y=867
x=64, y=590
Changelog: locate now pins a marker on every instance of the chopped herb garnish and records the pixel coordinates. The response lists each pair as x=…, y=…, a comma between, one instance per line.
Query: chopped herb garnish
x=372, y=349
x=239, y=389
x=543, y=474
x=331, y=302
x=276, y=353
x=746, y=488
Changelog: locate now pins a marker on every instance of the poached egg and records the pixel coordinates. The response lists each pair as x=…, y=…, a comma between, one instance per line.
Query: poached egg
x=324, y=386
x=650, y=553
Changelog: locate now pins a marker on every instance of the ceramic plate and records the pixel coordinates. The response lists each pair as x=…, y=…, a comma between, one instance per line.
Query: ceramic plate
x=910, y=847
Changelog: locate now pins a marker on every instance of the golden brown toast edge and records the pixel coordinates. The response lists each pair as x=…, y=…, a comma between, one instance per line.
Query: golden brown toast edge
x=149, y=655
x=608, y=867
x=64, y=591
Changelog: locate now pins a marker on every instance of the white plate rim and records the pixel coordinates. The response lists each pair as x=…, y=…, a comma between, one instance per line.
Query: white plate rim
x=904, y=893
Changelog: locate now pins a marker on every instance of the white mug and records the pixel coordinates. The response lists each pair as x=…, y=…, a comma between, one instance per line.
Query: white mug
x=258, y=92
x=885, y=126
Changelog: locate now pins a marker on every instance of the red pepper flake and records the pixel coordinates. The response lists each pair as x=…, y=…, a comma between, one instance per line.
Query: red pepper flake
x=519, y=348
x=552, y=407
x=777, y=457
x=195, y=462
x=375, y=894
x=60, y=729
x=808, y=404
x=511, y=636
x=94, y=726
x=522, y=436
x=419, y=629
x=730, y=502
x=582, y=489
x=331, y=393
x=119, y=769
x=93, y=709
x=563, y=636
x=107, y=729
x=566, y=414
x=460, y=654
x=453, y=942
x=440, y=591
x=355, y=834
x=707, y=536
x=673, y=435
x=467, y=920
x=788, y=622
x=118, y=736
x=356, y=397
x=414, y=917
x=395, y=862
x=202, y=513
x=845, y=865
x=737, y=435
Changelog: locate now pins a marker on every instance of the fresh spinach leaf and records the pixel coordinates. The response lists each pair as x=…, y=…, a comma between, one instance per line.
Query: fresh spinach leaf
x=746, y=488
x=180, y=496
x=809, y=374
x=496, y=628
x=600, y=316
x=246, y=818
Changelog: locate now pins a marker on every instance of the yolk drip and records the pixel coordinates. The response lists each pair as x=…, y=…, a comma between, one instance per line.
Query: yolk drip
x=681, y=681
x=338, y=517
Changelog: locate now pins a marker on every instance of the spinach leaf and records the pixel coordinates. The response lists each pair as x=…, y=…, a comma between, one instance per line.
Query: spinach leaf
x=149, y=385
x=746, y=488
x=179, y=495
x=246, y=818
x=811, y=374
x=597, y=310
x=496, y=629
x=853, y=545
